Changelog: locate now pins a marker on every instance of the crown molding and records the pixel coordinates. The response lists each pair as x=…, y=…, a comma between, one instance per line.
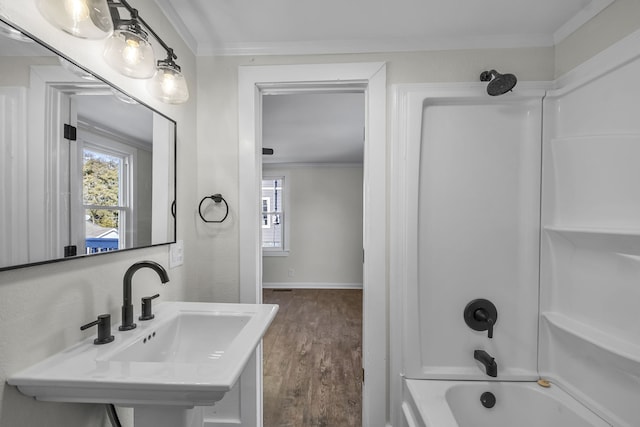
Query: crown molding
x=373, y=45
x=181, y=28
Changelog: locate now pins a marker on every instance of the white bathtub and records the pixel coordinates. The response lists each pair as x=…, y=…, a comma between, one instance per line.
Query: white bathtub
x=432, y=403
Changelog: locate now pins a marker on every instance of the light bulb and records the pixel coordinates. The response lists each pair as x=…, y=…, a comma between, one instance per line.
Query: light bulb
x=78, y=10
x=169, y=85
x=129, y=52
x=132, y=54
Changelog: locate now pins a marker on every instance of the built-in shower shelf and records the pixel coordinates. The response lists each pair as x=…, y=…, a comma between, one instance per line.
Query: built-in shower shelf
x=599, y=338
x=625, y=241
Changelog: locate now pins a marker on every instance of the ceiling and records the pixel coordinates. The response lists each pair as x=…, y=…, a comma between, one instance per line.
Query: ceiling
x=314, y=127
x=250, y=27
x=116, y=114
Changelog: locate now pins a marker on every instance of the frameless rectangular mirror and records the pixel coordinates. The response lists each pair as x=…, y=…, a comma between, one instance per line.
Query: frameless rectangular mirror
x=85, y=169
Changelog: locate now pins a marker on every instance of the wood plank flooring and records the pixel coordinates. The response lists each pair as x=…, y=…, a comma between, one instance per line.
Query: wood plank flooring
x=312, y=359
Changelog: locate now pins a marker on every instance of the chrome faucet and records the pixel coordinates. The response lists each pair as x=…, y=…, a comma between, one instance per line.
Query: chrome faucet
x=127, y=306
x=489, y=362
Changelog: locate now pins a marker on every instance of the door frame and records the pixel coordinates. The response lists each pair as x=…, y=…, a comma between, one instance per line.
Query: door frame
x=252, y=82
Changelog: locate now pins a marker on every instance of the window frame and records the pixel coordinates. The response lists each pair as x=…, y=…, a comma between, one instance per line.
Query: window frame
x=273, y=174
x=92, y=141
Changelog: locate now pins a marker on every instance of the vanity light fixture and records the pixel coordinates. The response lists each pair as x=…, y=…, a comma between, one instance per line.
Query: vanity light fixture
x=168, y=84
x=127, y=49
x=86, y=19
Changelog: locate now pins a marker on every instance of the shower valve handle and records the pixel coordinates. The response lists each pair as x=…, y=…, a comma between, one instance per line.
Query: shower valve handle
x=481, y=315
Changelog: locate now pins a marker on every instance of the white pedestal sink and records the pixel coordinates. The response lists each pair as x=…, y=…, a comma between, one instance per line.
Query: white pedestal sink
x=190, y=355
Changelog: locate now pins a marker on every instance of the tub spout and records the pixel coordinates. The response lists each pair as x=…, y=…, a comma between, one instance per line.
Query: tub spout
x=489, y=362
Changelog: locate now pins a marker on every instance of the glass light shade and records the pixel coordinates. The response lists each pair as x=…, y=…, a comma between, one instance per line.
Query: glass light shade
x=87, y=19
x=130, y=53
x=169, y=85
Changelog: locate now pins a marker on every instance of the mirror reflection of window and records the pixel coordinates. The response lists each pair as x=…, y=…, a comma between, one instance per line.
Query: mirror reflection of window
x=113, y=174
x=104, y=200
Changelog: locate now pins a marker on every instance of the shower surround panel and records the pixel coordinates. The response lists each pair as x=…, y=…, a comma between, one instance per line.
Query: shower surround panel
x=476, y=201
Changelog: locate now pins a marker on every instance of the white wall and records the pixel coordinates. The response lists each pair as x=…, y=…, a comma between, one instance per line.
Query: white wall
x=325, y=214
x=42, y=308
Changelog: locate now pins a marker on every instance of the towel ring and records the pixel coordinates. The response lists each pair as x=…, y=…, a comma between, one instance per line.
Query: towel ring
x=217, y=198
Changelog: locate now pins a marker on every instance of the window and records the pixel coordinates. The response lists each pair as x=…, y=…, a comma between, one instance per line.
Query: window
x=105, y=210
x=274, y=226
x=103, y=199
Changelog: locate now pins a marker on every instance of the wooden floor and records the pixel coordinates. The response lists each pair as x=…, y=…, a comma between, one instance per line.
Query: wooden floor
x=312, y=359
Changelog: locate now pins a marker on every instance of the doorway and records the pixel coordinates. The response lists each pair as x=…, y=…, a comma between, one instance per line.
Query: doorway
x=312, y=217
x=253, y=81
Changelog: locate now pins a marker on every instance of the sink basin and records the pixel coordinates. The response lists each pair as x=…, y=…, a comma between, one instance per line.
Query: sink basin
x=191, y=337
x=191, y=354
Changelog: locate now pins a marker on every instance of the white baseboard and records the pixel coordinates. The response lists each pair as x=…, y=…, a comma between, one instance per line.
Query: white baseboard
x=310, y=285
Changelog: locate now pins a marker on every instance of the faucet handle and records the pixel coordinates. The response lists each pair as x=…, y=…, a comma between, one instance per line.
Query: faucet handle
x=481, y=315
x=104, y=329
x=146, y=307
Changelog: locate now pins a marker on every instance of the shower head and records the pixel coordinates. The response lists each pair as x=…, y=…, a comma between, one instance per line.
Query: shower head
x=499, y=84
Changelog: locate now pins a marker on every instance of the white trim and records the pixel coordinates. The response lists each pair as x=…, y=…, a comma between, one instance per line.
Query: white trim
x=181, y=28
x=98, y=129
x=373, y=77
x=310, y=285
x=300, y=165
x=274, y=252
x=375, y=305
x=374, y=45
